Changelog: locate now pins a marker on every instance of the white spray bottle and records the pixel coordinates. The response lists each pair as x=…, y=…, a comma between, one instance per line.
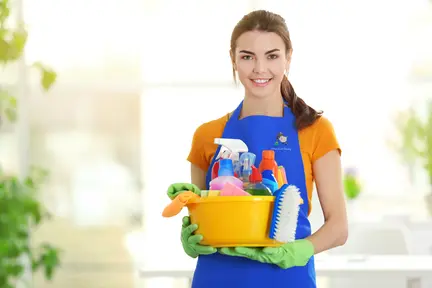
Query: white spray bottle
x=235, y=147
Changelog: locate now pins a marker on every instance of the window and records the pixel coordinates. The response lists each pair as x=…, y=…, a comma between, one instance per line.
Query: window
x=190, y=41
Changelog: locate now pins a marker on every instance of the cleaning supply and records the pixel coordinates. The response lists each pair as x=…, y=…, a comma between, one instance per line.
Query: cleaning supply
x=285, y=214
x=191, y=241
x=233, y=221
x=289, y=255
x=269, y=180
x=223, y=155
x=178, y=203
x=256, y=187
x=213, y=193
x=281, y=176
x=178, y=188
x=268, y=162
x=231, y=190
x=247, y=160
x=235, y=147
x=225, y=175
x=279, y=179
x=204, y=193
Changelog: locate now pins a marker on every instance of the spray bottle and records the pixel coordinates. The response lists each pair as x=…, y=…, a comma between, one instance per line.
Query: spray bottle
x=235, y=147
x=247, y=161
x=225, y=175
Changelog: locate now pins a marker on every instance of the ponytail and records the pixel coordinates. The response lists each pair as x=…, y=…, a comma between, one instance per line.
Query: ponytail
x=304, y=115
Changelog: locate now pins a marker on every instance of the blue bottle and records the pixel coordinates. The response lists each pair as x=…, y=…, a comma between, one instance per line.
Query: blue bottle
x=269, y=180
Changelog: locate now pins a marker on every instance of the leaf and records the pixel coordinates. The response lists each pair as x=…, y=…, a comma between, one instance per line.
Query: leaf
x=12, y=101
x=8, y=105
x=4, y=11
x=4, y=50
x=48, y=76
x=17, y=44
x=11, y=114
x=49, y=260
x=15, y=269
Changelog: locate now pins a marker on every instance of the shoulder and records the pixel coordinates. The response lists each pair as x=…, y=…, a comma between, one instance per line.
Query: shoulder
x=207, y=131
x=321, y=126
x=203, y=147
x=319, y=138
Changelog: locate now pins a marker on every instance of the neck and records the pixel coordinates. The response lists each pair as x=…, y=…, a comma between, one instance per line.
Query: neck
x=252, y=106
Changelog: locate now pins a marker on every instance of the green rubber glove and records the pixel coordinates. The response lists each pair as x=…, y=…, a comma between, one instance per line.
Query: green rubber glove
x=292, y=254
x=178, y=188
x=190, y=241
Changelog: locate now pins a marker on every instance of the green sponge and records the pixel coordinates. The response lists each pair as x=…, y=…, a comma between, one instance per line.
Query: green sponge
x=178, y=188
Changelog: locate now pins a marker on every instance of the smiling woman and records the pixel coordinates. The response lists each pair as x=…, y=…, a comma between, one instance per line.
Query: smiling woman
x=260, y=53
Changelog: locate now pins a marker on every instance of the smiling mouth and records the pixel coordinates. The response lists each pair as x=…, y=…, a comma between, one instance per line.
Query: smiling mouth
x=261, y=82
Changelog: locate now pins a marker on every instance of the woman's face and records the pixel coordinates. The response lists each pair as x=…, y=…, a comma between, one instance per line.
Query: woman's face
x=261, y=61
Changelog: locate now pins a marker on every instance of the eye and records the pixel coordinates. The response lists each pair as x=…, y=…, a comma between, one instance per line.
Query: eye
x=246, y=57
x=273, y=56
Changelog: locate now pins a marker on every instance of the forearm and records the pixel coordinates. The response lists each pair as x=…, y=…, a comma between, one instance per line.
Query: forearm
x=332, y=234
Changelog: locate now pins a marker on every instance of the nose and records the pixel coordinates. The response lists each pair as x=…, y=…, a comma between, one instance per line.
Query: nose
x=260, y=66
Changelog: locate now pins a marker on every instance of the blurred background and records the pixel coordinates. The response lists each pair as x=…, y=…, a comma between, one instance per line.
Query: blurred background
x=134, y=80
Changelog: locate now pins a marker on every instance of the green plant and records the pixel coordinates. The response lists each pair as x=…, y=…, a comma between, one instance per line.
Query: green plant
x=351, y=184
x=20, y=209
x=415, y=144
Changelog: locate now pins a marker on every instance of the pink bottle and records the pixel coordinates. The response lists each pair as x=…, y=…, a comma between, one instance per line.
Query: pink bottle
x=225, y=175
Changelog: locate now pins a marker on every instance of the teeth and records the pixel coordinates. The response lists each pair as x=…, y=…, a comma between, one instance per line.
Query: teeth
x=261, y=81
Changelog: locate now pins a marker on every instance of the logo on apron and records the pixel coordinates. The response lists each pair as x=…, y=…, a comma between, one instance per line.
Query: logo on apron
x=281, y=142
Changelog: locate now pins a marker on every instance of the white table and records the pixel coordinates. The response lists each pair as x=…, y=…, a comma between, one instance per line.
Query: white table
x=412, y=267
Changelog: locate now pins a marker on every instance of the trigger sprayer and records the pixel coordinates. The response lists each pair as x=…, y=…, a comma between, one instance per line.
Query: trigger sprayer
x=235, y=147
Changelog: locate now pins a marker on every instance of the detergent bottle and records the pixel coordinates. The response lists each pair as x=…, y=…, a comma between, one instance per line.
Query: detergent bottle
x=268, y=162
x=255, y=186
x=225, y=175
x=231, y=148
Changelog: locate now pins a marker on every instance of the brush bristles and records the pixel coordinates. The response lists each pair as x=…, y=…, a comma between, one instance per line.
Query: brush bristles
x=287, y=215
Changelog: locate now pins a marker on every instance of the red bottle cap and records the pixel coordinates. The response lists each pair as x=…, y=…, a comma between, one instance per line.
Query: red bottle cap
x=256, y=176
x=268, y=154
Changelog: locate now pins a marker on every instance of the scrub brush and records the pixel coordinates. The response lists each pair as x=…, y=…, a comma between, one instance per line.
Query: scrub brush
x=285, y=214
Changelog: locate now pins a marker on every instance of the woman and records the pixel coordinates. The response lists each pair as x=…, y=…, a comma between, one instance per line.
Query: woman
x=261, y=53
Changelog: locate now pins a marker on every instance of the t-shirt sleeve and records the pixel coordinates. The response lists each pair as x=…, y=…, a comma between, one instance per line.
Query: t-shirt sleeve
x=325, y=139
x=197, y=154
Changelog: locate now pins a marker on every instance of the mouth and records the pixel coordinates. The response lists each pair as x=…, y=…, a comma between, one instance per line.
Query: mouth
x=261, y=82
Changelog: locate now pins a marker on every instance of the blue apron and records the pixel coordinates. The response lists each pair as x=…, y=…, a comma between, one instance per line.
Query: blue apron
x=262, y=133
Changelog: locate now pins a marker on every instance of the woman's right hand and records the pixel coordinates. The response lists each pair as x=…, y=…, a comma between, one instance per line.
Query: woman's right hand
x=190, y=241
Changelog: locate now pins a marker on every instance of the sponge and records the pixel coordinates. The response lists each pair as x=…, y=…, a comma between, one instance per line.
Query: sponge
x=232, y=190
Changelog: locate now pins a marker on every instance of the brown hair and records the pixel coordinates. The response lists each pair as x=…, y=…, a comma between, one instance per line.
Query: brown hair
x=270, y=22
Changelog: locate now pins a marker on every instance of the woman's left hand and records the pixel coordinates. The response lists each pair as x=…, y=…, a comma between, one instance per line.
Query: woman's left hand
x=292, y=254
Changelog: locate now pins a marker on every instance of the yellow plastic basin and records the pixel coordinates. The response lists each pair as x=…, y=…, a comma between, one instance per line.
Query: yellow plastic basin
x=229, y=221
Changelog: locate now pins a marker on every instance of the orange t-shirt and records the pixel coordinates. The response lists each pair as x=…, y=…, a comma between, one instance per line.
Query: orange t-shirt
x=315, y=141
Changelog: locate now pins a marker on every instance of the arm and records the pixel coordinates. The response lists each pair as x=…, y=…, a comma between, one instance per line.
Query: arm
x=328, y=179
x=198, y=177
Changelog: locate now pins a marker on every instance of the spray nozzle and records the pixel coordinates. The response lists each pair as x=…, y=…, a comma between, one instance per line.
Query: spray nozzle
x=256, y=176
x=235, y=147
